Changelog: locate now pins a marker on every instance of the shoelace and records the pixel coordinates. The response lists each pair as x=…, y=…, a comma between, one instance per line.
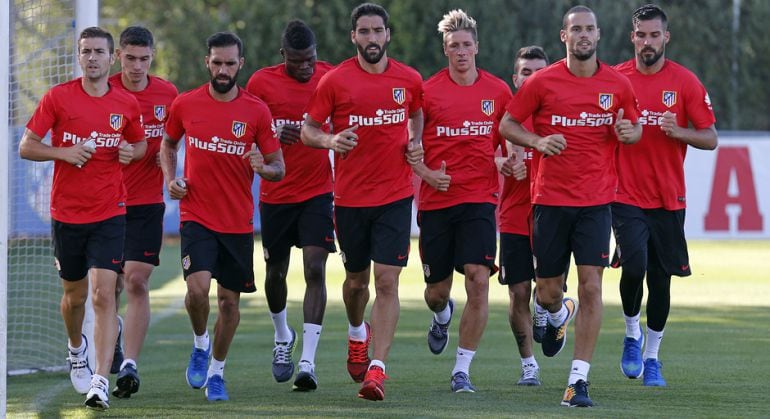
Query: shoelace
x=305, y=366
x=376, y=374
x=216, y=385
x=99, y=383
x=540, y=319
x=630, y=347
x=652, y=369
x=581, y=387
x=529, y=371
x=281, y=354
x=461, y=378
x=77, y=361
x=358, y=351
x=437, y=329
x=199, y=359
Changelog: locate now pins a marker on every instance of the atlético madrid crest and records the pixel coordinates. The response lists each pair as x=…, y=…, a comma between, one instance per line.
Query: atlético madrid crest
x=488, y=107
x=669, y=98
x=239, y=129
x=399, y=95
x=160, y=112
x=605, y=100
x=116, y=121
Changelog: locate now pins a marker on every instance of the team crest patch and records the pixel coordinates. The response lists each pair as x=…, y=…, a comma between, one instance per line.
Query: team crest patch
x=186, y=262
x=669, y=98
x=116, y=121
x=605, y=100
x=488, y=107
x=160, y=112
x=239, y=129
x=426, y=269
x=399, y=95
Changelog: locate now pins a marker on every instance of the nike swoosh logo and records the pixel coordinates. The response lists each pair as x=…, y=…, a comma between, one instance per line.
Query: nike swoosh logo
x=487, y=257
x=684, y=267
x=148, y=254
x=605, y=256
x=329, y=239
x=401, y=257
x=116, y=262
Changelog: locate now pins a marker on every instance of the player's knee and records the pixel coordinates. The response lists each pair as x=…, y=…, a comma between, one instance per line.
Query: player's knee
x=315, y=271
x=228, y=307
x=102, y=298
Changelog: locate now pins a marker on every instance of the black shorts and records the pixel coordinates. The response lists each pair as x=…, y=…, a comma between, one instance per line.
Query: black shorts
x=516, y=264
x=80, y=247
x=647, y=236
x=455, y=236
x=144, y=233
x=307, y=223
x=228, y=257
x=380, y=234
x=583, y=231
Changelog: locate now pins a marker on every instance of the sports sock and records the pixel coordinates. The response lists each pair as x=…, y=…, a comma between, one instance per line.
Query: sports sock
x=78, y=350
x=539, y=310
x=632, y=326
x=443, y=316
x=128, y=361
x=558, y=318
x=463, y=360
x=311, y=333
x=652, y=346
x=579, y=371
x=216, y=368
x=202, y=341
x=529, y=361
x=377, y=363
x=282, y=332
x=357, y=332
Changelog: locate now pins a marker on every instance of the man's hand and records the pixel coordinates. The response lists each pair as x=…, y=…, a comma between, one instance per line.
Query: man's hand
x=438, y=179
x=514, y=166
x=177, y=188
x=288, y=133
x=414, y=152
x=344, y=141
x=551, y=145
x=256, y=160
x=624, y=129
x=125, y=152
x=668, y=124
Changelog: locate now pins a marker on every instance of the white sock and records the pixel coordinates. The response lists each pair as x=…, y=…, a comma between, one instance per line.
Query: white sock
x=558, y=318
x=539, y=309
x=311, y=333
x=357, y=333
x=377, y=363
x=632, y=326
x=579, y=371
x=216, y=368
x=202, y=341
x=126, y=362
x=529, y=361
x=78, y=350
x=282, y=332
x=463, y=360
x=443, y=316
x=652, y=346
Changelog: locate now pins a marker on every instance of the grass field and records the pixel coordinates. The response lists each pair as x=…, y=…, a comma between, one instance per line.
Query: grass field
x=715, y=355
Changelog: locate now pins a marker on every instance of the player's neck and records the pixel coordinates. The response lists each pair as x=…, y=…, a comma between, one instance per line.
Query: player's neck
x=652, y=69
x=582, y=68
x=134, y=87
x=224, y=97
x=95, y=88
x=464, y=78
x=376, y=68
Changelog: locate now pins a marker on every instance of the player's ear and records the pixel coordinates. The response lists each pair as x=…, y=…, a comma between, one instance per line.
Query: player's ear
x=241, y=61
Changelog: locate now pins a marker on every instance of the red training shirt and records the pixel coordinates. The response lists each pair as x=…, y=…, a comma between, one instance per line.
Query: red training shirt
x=583, y=109
x=144, y=178
x=651, y=173
x=217, y=135
x=308, y=169
x=515, y=200
x=461, y=128
x=94, y=192
x=375, y=172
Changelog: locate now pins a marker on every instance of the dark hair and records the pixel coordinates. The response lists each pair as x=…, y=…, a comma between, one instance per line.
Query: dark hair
x=649, y=12
x=297, y=36
x=577, y=9
x=138, y=36
x=368, y=9
x=224, y=39
x=97, y=32
x=532, y=52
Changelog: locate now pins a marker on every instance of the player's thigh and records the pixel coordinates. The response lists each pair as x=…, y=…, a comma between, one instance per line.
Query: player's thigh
x=235, y=262
x=199, y=248
x=279, y=229
x=552, y=226
x=476, y=240
x=316, y=225
x=668, y=237
x=590, y=239
x=353, y=226
x=437, y=238
x=515, y=259
x=69, y=249
x=391, y=233
x=144, y=233
x=632, y=234
x=105, y=244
